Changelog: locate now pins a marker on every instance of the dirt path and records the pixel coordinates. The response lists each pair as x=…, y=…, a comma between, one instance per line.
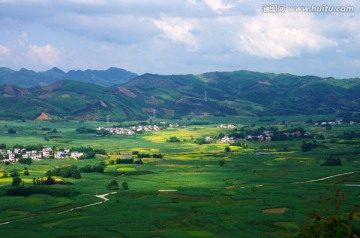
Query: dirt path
x=102, y=196
x=321, y=179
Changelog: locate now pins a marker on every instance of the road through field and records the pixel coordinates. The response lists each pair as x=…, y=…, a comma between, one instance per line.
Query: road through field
x=102, y=196
x=321, y=179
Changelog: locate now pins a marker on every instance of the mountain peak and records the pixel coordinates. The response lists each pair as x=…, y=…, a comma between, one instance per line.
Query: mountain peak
x=56, y=70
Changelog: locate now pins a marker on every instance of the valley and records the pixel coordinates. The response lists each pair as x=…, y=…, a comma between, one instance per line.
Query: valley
x=176, y=182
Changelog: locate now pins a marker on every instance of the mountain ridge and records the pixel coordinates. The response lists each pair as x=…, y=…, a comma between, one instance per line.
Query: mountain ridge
x=173, y=96
x=29, y=78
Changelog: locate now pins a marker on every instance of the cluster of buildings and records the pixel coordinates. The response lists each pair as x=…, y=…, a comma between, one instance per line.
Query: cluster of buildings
x=17, y=153
x=129, y=130
x=136, y=129
x=333, y=123
x=229, y=126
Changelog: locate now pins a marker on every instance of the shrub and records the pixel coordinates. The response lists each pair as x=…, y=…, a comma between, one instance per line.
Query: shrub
x=113, y=185
x=11, y=131
x=332, y=222
x=332, y=162
x=158, y=156
x=125, y=185
x=124, y=161
x=16, y=181
x=173, y=139
x=27, y=161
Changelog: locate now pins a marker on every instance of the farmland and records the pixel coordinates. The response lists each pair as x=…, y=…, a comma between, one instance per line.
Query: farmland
x=250, y=189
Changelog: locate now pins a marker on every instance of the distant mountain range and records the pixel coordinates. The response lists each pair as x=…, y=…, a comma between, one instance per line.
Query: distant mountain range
x=172, y=96
x=29, y=78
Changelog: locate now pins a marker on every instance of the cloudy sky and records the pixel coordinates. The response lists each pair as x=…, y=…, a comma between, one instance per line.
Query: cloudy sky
x=180, y=36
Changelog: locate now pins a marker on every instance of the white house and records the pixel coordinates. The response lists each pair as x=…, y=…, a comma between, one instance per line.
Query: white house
x=76, y=154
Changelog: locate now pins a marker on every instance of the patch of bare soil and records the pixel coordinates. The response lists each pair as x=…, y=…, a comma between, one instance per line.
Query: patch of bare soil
x=43, y=116
x=275, y=210
x=127, y=92
x=103, y=104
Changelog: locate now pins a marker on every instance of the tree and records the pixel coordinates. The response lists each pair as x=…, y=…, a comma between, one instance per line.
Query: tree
x=27, y=161
x=125, y=185
x=75, y=173
x=5, y=174
x=11, y=131
x=332, y=162
x=113, y=185
x=307, y=146
x=173, y=139
x=14, y=173
x=16, y=181
x=26, y=172
x=227, y=149
x=221, y=162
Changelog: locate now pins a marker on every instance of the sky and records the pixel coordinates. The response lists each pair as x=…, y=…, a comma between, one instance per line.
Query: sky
x=181, y=36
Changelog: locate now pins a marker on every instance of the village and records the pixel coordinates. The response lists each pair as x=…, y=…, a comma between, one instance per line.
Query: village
x=7, y=155
x=46, y=153
x=133, y=130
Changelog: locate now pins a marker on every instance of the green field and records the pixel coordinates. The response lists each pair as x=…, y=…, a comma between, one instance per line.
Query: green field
x=261, y=190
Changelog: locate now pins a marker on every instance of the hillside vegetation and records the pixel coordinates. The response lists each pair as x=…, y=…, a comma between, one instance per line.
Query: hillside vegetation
x=172, y=96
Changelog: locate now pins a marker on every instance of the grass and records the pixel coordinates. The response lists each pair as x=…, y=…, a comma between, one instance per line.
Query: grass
x=202, y=198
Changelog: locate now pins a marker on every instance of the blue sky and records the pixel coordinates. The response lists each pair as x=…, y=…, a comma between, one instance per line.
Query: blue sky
x=180, y=36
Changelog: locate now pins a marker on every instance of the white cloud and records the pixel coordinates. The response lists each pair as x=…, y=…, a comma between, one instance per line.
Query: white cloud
x=218, y=5
x=45, y=55
x=190, y=35
x=355, y=62
x=4, y=51
x=178, y=30
x=279, y=36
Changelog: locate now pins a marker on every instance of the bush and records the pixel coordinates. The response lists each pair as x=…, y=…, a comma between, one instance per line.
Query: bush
x=58, y=192
x=113, y=185
x=27, y=161
x=16, y=181
x=158, y=156
x=11, y=131
x=143, y=156
x=124, y=161
x=99, y=168
x=307, y=146
x=125, y=185
x=139, y=161
x=332, y=222
x=65, y=172
x=173, y=139
x=332, y=162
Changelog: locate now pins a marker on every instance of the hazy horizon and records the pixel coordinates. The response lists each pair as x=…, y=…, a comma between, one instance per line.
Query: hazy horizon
x=180, y=37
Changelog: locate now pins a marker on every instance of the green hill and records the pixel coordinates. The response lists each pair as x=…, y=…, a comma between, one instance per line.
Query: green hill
x=173, y=96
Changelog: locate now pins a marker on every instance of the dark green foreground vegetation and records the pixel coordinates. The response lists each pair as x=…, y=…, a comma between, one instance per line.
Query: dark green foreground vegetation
x=247, y=189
